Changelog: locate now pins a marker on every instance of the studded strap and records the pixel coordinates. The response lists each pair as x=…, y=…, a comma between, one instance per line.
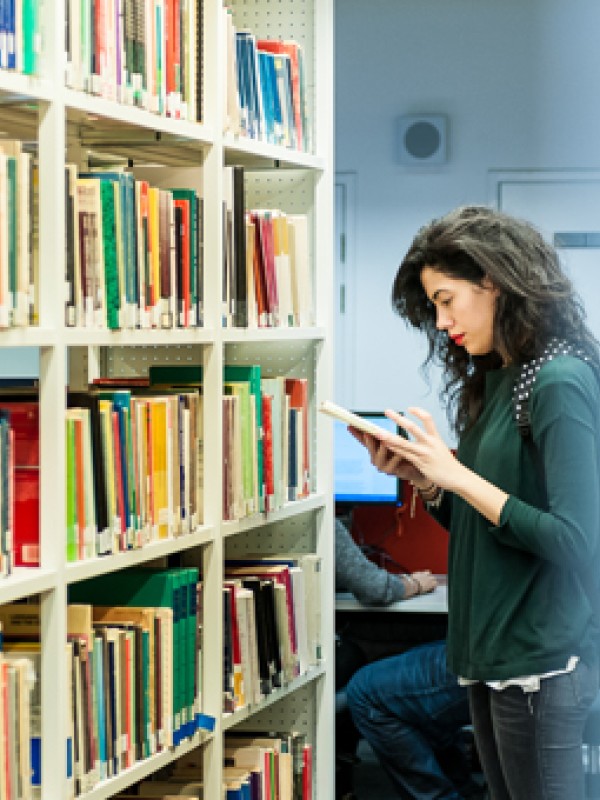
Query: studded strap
x=524, y=383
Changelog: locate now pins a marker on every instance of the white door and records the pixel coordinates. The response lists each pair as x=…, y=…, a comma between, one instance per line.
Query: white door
x=565, y=207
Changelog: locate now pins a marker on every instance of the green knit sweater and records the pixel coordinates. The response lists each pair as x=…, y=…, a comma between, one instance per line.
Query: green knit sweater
x=518, y=603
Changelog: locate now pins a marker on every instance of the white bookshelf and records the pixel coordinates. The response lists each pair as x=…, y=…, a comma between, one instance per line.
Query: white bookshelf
x=69, y=125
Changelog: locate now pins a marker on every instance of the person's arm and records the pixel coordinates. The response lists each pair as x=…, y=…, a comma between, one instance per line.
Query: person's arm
x=370, y=584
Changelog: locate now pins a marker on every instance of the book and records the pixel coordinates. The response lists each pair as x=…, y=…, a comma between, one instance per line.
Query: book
x=353, y=420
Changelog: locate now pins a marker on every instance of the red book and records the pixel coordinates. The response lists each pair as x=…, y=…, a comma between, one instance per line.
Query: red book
x=121, y=383
x=24, y=422
x=238, y=687
x=307, y=772
x=260, y=285
x=184, y=236
x=267, y=424
x=268, y=251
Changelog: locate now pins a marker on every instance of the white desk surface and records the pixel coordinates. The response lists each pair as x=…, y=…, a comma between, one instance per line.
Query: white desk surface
x=435, y=602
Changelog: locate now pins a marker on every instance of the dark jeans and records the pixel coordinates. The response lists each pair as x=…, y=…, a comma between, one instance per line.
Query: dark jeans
x=529, y=744
x=410, y=708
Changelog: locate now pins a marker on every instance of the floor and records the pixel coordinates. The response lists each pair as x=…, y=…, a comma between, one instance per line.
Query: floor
x=370, y=781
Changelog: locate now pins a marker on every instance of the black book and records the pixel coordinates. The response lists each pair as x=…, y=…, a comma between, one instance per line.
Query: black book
x=268, y=591
x=240, y=283
x=264, y=667
x=228, y=694
x=90, y=401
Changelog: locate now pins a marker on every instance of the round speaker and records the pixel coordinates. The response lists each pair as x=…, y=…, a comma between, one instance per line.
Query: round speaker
x=422, y=139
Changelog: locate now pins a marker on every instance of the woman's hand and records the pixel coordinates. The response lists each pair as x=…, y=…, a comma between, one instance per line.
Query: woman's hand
x=430, y=458
x=386, y=458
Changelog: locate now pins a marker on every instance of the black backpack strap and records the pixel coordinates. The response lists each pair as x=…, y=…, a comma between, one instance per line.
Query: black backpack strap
x=524, y=383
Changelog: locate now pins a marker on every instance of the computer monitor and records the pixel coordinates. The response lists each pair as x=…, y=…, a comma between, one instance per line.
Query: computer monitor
x=356, y=480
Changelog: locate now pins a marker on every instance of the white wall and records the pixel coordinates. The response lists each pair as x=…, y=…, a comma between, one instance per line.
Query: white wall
x=519, y=81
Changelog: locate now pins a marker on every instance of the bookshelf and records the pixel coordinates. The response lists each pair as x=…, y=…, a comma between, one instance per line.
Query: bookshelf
x=71, y=126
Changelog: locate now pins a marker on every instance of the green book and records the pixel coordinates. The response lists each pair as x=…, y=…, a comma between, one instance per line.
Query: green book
x=192, y=197
x=146, y=588
x=109, y=253
x=30, y=36
x=71, y=489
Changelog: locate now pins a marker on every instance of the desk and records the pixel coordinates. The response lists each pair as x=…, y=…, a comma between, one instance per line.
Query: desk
x=381, y=631
x=435, y=602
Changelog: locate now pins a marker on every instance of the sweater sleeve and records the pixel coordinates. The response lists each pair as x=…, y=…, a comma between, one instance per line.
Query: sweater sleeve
x=370, y=584
x=564, y=414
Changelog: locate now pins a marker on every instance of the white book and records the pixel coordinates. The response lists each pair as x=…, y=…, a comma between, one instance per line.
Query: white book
x=302, y=291
x=299, y=593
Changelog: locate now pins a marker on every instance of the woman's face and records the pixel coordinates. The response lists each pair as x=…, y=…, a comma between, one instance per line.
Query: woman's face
x=464, y=310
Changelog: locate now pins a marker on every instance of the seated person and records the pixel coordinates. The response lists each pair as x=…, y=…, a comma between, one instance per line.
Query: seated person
x=412, y=711
x=409, y=707
x=371, y=585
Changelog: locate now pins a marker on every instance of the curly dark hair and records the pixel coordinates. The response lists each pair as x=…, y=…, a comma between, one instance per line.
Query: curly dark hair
x=536, y=299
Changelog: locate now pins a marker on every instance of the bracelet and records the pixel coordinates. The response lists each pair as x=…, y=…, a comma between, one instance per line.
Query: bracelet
x=431, y=495
x=415, y=582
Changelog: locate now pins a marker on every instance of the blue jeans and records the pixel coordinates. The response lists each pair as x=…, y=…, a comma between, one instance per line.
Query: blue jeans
x=409, y=707
x=529, y=744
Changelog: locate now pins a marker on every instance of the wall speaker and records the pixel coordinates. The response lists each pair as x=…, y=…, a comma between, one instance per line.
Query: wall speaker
x=422, y=139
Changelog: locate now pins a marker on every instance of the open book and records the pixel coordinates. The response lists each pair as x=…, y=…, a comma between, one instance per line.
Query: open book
x=349, y=418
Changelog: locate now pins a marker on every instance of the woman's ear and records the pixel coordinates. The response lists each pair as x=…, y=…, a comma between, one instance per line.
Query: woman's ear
x=488, y=284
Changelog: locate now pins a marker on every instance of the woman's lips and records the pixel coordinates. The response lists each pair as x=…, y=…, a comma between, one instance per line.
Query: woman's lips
x=458, y=339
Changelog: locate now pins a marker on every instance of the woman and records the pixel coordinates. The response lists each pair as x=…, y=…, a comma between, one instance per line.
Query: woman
x=521, y=497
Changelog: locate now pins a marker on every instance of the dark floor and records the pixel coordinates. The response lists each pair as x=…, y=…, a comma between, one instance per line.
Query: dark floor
x=370, y=780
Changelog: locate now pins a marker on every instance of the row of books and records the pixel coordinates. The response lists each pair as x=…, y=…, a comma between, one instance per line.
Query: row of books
x=266, y=273
x=146, y=53
x=266, y=451
x=20, y=38
x=134, y=252
x=258, y=765
x=18, y=695
x=134, y=458
x=266, y=89
x=271, y=624
x=146, y=663
x=134, y=469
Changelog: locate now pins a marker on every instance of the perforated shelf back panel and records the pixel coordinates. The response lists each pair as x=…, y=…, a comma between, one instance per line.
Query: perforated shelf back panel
x=134, y=362
x=294, y=712
x=272, y=19
x=293, y=535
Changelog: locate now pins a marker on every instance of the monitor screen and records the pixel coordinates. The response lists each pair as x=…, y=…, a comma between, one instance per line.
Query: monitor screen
x=355, y=479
